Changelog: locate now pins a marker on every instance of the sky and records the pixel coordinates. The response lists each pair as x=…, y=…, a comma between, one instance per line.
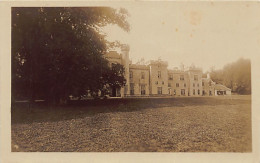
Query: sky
x=206, y=34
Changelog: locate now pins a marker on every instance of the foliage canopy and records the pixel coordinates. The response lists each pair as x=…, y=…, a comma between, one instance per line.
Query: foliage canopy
x=236, y=76
x=58, y=51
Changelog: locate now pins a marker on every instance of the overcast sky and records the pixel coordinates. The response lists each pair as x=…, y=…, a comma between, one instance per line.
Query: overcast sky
x=205, y=34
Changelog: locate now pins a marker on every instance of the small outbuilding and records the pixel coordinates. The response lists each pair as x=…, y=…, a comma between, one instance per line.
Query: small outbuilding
x=222, y=90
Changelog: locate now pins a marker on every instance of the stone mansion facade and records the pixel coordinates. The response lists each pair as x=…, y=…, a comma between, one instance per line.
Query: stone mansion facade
x=155, y=79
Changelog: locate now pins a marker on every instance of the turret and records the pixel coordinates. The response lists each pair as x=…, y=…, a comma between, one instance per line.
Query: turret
x=125, y=61
x=125, y=51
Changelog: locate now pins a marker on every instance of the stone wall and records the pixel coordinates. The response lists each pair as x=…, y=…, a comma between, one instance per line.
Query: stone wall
x=208, y=87
x=158, y=78
x=195, y=82
x=155, y=79
x=139, y=80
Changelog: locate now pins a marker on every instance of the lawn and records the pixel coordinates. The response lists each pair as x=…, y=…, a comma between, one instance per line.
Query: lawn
x=183, y=124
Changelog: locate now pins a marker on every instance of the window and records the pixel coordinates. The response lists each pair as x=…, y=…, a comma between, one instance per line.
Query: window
x=202, y=83
x=177, y=85
x=159, y=90
x=142, y=89
x=203, y=92
x=184, y=84
x=210, y=93
x=142, y=75
x=174, y=92
x=156, y=82
x=131, y=74
x=193, y=84
x=132, y=92
x=198, y=84
x=183, y=92
x=169, y=85
x=171, y=77
x=193, y=91
x=159, y=74
x=162, y=82
x=198, y=91
x=181, y=77
x=196, y=77
x=169, y=91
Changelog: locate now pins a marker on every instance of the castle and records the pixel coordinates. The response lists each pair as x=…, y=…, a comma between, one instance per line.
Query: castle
x=155, y=79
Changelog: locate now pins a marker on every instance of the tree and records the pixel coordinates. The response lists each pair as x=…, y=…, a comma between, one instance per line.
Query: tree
x=114, y=77
x=216, y=75
x=58, y=51
x=236, y=75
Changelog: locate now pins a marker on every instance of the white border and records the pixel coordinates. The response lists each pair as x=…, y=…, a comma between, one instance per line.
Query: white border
x=5, y=103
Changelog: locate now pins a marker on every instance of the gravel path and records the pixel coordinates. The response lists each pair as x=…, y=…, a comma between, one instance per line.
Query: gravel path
x=198, y=128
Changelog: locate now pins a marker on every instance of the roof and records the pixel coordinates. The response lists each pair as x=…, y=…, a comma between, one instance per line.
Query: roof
x=193, y=69
x=136, y=66
x=175, y=71
x=221, y=87
x=158, y=62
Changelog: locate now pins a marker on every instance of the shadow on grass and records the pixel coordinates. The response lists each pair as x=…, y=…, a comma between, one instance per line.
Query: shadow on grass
x=24, y=113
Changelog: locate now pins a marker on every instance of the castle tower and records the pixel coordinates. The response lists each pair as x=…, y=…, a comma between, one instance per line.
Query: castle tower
x=125, y=62
x=158, y=78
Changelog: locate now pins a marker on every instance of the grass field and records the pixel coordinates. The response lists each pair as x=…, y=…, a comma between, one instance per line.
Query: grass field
x=184, y=124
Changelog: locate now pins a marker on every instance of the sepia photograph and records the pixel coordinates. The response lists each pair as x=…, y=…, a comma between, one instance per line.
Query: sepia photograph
x=160, y=77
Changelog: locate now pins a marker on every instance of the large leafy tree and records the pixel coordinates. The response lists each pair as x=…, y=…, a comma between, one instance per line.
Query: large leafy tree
x=236, y=75
x=114, y=77
x=59, y=51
